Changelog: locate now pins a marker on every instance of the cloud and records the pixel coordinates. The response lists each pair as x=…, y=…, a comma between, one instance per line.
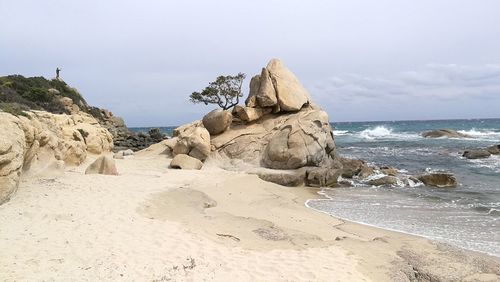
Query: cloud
x=441, y=82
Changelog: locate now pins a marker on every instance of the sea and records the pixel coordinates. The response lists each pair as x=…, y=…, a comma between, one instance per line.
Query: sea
x=467, y=216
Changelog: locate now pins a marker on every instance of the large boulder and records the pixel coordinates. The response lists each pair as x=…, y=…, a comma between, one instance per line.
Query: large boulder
x=193, y=140
x=217, y=121
x=291, y=95
x=277, y=87
x=444, y=133
x=476, y=154
x=322, y=177
x=102, y=165
x=438, y=179
x=183, y=161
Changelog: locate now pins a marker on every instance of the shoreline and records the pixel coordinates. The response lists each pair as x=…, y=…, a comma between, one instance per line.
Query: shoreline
x=437, y=240
x=154, y=223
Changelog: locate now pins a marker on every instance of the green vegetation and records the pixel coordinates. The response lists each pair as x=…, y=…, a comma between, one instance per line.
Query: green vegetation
x=36, y=93
x=14, y=109
x=225, y=91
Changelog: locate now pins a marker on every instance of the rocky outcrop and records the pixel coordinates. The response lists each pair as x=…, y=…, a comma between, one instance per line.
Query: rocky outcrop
x=184, y=161
x=277, y=129
x=384, y=180
x=193, y=140
x=444, y=133
x=217, y=121
x=438, y=179
x=102, y=165
x=476, y=154
x=41, y=141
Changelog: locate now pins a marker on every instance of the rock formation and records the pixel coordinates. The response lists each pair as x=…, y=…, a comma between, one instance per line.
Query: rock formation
x=444, y=133
x=41, y=141
x=278, y=128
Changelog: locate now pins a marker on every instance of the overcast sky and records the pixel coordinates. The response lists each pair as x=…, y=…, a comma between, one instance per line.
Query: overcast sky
x=360, y=60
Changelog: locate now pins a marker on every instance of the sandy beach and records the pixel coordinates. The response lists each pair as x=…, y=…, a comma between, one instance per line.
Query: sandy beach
x=151, y=223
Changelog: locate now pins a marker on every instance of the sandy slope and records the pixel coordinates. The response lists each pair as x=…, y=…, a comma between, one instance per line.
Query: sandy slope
x=154, y=224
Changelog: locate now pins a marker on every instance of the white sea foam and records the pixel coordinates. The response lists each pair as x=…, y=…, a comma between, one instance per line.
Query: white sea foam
x=377, y=132
x=340, y=132
x=383, y=132
x=483, y=134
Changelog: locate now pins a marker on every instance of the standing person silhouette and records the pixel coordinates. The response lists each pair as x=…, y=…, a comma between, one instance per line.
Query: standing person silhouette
x=58, y=70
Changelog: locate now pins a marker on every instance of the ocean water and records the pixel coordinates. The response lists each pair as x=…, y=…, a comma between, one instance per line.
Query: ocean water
x=467, y=216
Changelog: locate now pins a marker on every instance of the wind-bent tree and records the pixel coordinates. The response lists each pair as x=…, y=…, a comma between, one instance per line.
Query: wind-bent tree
x=225, y=91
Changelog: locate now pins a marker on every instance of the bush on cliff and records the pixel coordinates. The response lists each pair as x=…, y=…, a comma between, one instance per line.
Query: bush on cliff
x=33, y=93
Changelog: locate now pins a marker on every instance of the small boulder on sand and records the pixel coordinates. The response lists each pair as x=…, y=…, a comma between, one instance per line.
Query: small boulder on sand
x=184, y=161
x=438, y=179
x=102, y=165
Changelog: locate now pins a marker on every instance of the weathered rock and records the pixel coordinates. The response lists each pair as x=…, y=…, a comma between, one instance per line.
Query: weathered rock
x=290, y=93
x=385, y=180
x=102, y=165
x=217, y=121
x=251, y=100
x=184, y=161
x=476, y=154
x=366, y=171
x=250, y=114
x=12, y=148
x=290, y=178
x=351, y=167
x=192, y=140
x=266, y=97
x=389, y=170
x=494, y=150
x=128, y=152
x=444, y=133
x=438, y=179
x=322, y=177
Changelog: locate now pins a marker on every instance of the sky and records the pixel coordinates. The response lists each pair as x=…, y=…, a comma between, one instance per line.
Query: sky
x=359, y=60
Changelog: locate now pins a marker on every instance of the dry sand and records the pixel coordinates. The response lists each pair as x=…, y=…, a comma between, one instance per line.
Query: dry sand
x=151, y=223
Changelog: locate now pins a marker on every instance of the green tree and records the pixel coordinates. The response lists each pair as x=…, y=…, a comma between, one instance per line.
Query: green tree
x=225, y=91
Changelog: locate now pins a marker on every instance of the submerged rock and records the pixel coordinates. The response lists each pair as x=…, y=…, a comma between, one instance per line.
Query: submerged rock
x=438, y=179
x=476, y=154
x=444, y=133
x=494, y=150
x=184, y=161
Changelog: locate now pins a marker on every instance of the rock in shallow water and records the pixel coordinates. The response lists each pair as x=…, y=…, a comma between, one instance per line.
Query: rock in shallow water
x=476, y=154
x=438, y=179
x=444, y=133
